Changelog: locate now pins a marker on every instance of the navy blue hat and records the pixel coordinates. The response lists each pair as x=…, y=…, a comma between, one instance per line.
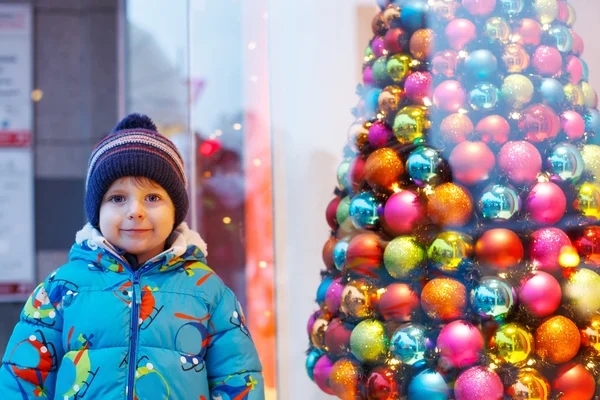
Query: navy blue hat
x=135, y=148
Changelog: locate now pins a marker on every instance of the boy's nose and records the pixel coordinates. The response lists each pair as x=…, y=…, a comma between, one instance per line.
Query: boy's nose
x=136, y=211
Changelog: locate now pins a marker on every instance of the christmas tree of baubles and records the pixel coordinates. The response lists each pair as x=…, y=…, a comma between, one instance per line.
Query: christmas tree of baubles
x=465, y=246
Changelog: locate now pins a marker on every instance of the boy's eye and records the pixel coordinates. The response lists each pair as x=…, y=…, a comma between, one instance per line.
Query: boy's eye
x=153, y=197
x=116, y=199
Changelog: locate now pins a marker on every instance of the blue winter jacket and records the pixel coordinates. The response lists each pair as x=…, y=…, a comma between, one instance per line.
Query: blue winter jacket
x=95, y=329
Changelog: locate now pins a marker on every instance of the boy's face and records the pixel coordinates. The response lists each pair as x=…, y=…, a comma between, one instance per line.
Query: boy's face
x=137, y=215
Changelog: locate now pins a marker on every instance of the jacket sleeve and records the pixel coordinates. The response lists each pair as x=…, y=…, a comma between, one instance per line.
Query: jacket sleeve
x=232, y=362
x=34, y=349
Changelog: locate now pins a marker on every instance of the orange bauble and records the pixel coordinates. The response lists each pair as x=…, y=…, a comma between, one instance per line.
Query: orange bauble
x=499, y=248
x=557, y=340
x=575, y=382
x=383, y=169
x=328, y=253
x=422, y=44
x=444, y=299
x=450, y=205
x=346, y=379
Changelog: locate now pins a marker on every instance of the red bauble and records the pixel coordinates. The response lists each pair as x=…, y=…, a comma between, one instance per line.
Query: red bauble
x=396, y=41
x=398, y=302
x=575, y=382
x=382, y=384
x=471, y=162
x=499, y=248
x=357, y=172
x=330, y=213
x=328, y=253
x=337, y=337
x=493, y=129
x=588, y=245
x=364, y=254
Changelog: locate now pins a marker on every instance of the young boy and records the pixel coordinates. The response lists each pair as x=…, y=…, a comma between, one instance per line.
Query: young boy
x=135, y=313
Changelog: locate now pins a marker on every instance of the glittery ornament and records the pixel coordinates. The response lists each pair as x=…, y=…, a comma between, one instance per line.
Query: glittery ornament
x=478, y=383
x=369, y=342
x=512, y=343
x=422, y=44
x=520, y=161
x=346, y=379
x=455, y=128
x=590, y=98
x=582, y=289
x=557, y=340
x=449, y=249
x=450, y=205
x=383, y=169
x=546, y=10
x=444, y=299
x=517, y=91
x=402, y=256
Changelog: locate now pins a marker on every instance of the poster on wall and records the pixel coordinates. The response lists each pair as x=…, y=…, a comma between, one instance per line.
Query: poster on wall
x=17, y=247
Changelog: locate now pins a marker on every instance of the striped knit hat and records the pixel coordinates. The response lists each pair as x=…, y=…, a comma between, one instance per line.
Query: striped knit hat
x=135, y=148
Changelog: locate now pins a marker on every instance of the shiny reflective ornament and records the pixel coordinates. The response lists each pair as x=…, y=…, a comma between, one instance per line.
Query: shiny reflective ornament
x=342, y=174
x=358, y=134
x=321, y=373
x=512, y=343
x=481, y=64
x=364, y=255
x=419, y=88
x=383, y=169
x=590, y=98
x=382, y=384
x=445, y=9
x=448, y=250
x=588, y=200
x=546, y=10
x=317, y=335
x=484, y=97
x=411, y=123
x=515, y=58
x=444, y=63
x=546, y=246
x=390, y=98
x=357, y=299
x=497, y=28
x=343, y=210
x=414, y=15
x=429, y=385
x=346, y=379
x=311, y=360
x=339, y=252
x=562, y=37
x=398, y=67
x=557, y=340
x=539, y=122
x=327, y=253
x=322, y=290
x=378, y=46
x=530, y=385
x=565, y=162
x=402, y=213
x=409, y=343
x=424, y=166
x=590, y=333
x=450, y=205
x=379, y=135
x=369, y=342
x=552, y=92
x=403, y=256
x=364, y=211
x=499, y=203
x=517, y=91
x=444, y=299
x=582, y=289
x=591, y=160
x=512, y=7
x=574, y=94
x=592, y=123
x=493, y=298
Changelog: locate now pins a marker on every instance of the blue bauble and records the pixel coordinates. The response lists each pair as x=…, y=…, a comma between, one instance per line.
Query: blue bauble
x=562, y=37
x=322, y=290
x=552, y=91
x=311, y=360
x=586, y=70
x=414, y=14
x=512, y=7
x=494, y=298
x=424, y=166
x=409, y=343
x=372, y=99
x=565, y=162
x=484, y=97
x=364, y=211
x=592, y=124
x=428, y=385
x=499, y=203
x=339, y=252
x=481, y=64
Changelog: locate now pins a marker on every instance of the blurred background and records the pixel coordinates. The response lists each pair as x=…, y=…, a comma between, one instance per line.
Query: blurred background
x=256, y=94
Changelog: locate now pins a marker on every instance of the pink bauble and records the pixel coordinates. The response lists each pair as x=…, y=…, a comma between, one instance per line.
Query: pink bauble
x=460, y=344
x=445, y=63
x=321, y=373
x=331, y=211
x=378, y=47
x=563, y=11
x=478, y=383
x=379, y=134
x=574, y=69
x=337, y=337
x=546, y=203
x=578, y=45
x=460, y=32
x=547, y=61
x=479, y=7
x=333, y=297
x=449, y=96
x=528, y=32
x=368, y=76
x=539, y=122
x=546, y=246
x=493, y=129
x=540, y=293
x=520, y=161
x=471, y=162
x=573, y=124
x=398, y=302
x=419, y=87
x=402, y=212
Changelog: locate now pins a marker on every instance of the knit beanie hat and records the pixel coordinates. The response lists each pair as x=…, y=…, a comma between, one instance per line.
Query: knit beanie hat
x=135, y=148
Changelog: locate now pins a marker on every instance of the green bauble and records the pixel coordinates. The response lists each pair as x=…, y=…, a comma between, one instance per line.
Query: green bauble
x=402, y=256
x=369, y=342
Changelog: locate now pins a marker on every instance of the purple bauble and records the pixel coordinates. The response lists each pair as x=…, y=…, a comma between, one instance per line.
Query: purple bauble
x=368, y=76
x=378, y=47
x=321, y=374
x=333, y=297
x=379, y=134
x=419, y=87
x=478, y=383
x=460, y=344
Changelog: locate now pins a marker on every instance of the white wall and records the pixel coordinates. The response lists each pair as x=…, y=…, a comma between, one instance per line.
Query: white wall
x=313, y=68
